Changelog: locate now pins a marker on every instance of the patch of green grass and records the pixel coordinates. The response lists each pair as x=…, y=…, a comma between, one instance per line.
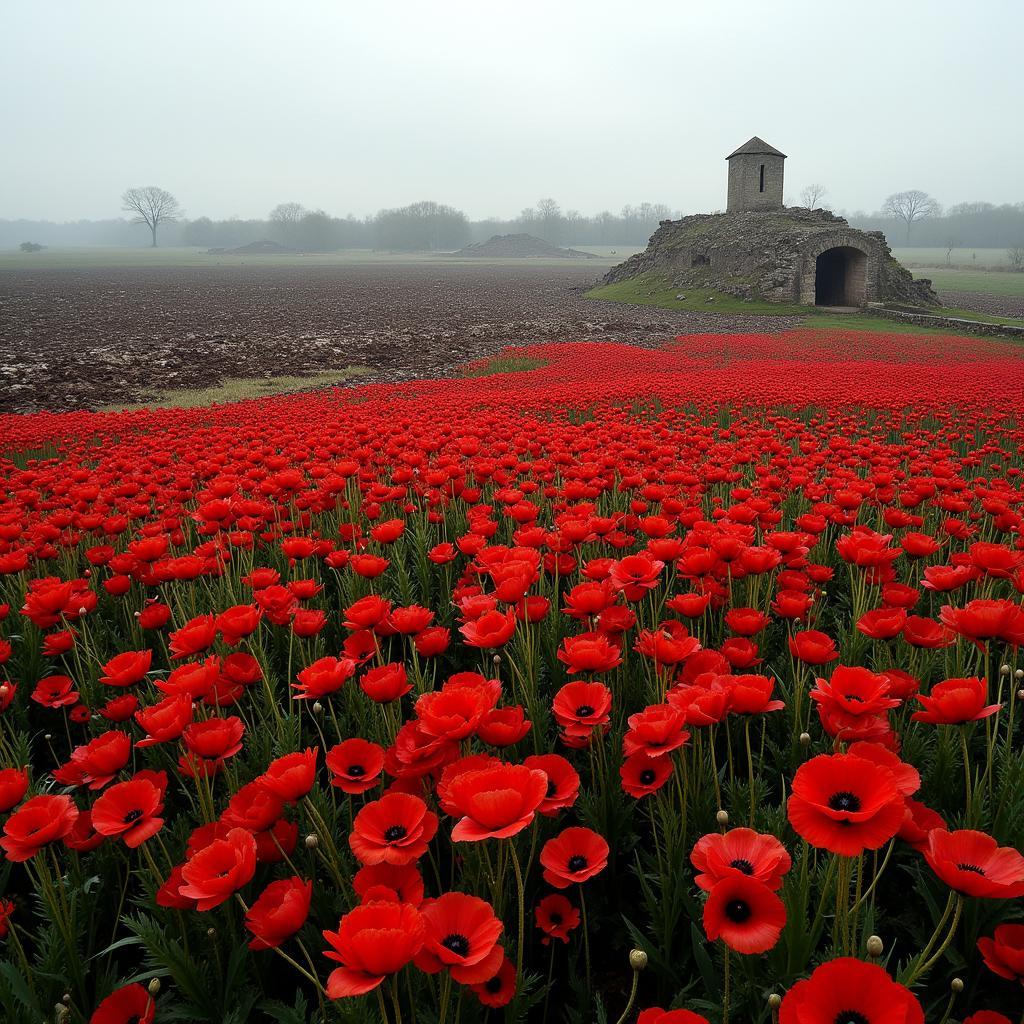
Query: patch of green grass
x=961, y=258
x=652, y=290
x=988, y=282
x=866, y=322
x=241, y=388
x=503, y=364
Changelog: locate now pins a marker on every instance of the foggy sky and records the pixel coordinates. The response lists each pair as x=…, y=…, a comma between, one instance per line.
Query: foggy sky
x=350, y=106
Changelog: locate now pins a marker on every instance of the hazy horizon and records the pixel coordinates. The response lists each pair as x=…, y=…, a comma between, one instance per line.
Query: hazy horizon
x=237, y=107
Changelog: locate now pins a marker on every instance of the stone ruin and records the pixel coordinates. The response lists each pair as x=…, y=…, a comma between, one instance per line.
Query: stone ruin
x=760, y=249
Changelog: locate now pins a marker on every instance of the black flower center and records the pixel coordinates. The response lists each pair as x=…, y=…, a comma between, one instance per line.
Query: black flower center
x=396, y=832
x=737, y=911
x=494, y=985
x=577, y=862
x=132, y=816
x=584, y=711
x=851, y=1017
x=972, y=867
x=647, y=776
x=742, y=865
x=355, y=770
x=457, y=943
x=556, y=919
x=844, y=802
x=552, y=788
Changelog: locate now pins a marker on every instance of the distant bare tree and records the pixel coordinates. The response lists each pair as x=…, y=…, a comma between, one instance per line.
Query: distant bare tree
x=1015, y=254
x=152, y=206
x=812, y=195
x=950, y=246
x=911, y=207
x=285, y=218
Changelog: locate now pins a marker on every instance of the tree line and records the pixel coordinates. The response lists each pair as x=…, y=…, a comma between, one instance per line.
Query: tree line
x=911, y=217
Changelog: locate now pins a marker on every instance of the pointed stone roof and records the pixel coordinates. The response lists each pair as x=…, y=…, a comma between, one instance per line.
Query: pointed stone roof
x=755, y=145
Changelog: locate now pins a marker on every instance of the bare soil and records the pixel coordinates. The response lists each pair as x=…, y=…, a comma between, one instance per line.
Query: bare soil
x=979, y=302
x=84, y=338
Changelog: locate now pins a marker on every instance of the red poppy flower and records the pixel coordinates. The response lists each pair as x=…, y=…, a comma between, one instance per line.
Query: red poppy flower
x=987, y=1017
x=1003, y=953
x=882, y=623
x=563, y=782
x=845, y=804
x=589, y=653
x=813, y=647
x=215, y=738
x=498, y=990
x=635, y=575
x=491, y=630
x=573, y=856
x=131, y=1004
x=850, y=699
x=453, y=712
x=431, y=642
x=164, y=721
x=55, y=692
x=120, y=709
x=983, y=620
x=386, y=683
x=655, y=731
x=36, y=823
x=581, y=707
x=746, y=621
x=129, y=811
x=253, y=807
x=373, y=941
x=392, y=830
x=920, y=631
x=127, y=669
x=495, y=802
x=461, y=933
x=195, y=636
x=744, y=913
x=291, y=777
x=401, y=883
x=848, y=989
x=751, y=853
x=918, y=823
x=325, y=676
x=670, y=644
x=367, y=612
x=642, y=774
x=279, y=912
x=219, y=869
x=656, y=1015
x=974, y=864
x=751, y=694
x=13, y=787
x=355, y=765
x=6, y=910
x=556, y=917
x=956, y=701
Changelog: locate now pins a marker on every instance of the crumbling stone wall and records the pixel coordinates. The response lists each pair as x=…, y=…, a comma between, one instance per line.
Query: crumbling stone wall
x=767, y=255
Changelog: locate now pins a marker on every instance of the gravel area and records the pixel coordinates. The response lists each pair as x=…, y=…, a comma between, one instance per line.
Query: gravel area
x=979, y=302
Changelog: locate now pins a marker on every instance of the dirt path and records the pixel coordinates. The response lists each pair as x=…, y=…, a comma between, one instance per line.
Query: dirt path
x=78, y=339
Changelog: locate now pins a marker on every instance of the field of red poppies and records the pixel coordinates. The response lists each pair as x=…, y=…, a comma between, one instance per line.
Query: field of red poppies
x=667, y=686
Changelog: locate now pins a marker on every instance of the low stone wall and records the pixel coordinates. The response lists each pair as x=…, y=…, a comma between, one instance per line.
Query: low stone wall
x=955, y=325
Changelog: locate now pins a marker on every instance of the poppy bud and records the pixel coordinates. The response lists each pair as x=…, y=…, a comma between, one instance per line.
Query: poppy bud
x=722, y=817
x=154, y=987
x=805, y=739
x=1004, y=670
x=774, y=1001
x=47, y=736
x=1019, y=674
x=496, y=659
x=66, y=999
x=311, y=842
x=211, y=933
x=318, y=708
x=957, y=985
x=637, y=959
x=875, y=946
x=1020, y=694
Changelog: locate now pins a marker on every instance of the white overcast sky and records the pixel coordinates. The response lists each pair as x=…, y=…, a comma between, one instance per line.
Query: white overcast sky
x=236, y=105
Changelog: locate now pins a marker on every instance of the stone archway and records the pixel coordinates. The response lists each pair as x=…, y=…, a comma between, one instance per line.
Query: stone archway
x=840, y=277
x=839, y=268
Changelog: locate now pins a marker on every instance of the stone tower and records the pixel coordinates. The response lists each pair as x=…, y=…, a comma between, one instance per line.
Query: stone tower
x=755, y=177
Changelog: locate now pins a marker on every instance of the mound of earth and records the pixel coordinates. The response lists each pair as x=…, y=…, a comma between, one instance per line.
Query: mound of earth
x=518, y=247
x=263, y=247
x=773, y=255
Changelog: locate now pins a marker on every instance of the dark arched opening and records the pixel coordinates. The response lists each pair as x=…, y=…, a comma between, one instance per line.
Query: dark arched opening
x=840, y=277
